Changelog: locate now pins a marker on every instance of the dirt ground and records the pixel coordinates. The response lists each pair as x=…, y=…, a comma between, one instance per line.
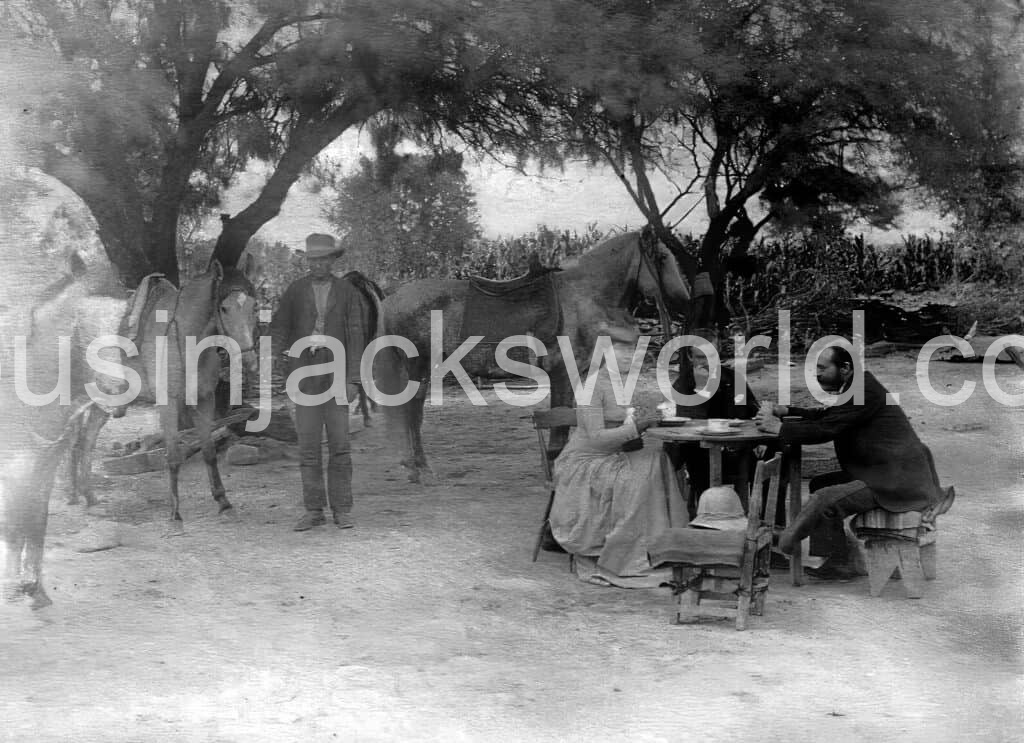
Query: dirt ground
x=428, y=621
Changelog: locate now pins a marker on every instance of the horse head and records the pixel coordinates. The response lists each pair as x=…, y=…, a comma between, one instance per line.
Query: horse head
x=235, y=297
x=658, y=271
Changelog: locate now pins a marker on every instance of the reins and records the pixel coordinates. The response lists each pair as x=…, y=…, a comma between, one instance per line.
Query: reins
x=647, y=248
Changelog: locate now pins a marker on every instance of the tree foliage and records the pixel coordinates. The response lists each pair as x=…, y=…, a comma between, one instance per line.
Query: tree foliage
x=404, y=216
x=802, y=114
x=765, y=112
x=161, y=102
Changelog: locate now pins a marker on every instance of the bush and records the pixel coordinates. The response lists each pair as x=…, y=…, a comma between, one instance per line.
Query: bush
x=508, y=257
x=821, y=277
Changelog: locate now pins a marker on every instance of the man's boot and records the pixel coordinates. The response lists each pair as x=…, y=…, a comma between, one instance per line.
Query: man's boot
x=309, y=520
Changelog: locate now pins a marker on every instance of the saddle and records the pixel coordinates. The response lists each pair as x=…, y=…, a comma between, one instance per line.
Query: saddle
x=498, y=309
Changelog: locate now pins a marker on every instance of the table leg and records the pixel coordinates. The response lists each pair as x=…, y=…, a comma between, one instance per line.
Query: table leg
x=795, y=455
x=715, y=459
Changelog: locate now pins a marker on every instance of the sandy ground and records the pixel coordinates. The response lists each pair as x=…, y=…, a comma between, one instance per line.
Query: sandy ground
x=429, y=622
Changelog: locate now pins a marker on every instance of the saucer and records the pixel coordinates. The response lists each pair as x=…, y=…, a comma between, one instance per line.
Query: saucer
x=673, y=421
x=708, y=432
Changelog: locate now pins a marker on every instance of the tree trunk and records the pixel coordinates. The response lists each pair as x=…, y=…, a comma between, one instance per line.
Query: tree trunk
x=308, y=140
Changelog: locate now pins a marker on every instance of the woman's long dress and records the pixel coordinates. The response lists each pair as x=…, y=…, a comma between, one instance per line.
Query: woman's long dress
x=610, y=504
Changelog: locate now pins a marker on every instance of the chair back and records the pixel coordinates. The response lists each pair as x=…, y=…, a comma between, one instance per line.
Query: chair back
x=543, y=422
x=770, y=472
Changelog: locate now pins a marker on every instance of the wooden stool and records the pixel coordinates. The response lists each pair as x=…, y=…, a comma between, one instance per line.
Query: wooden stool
x=897, y=541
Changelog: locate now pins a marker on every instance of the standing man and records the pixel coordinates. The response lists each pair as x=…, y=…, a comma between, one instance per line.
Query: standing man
x=321, y=304
x=883, y=462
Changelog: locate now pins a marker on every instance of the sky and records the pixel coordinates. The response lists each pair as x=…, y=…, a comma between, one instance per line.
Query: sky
x=513, y=203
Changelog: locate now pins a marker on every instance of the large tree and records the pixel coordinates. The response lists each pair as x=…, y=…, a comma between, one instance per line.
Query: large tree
x=161, y=102
x=784, y=112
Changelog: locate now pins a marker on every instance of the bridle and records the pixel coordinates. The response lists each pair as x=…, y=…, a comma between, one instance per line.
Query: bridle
x=220, y=297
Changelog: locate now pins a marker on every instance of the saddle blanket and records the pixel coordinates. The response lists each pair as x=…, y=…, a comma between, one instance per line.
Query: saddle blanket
x=497, y=310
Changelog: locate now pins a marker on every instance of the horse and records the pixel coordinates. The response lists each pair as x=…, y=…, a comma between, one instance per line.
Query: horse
x=221, y=302
x=601, y=286
x=33, y=437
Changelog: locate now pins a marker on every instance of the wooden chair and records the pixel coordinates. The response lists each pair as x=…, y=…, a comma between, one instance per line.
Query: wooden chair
x=543, y=422
x=723, y=574
x=900, y=541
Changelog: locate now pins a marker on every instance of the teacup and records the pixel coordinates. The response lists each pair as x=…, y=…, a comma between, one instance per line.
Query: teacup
x=718, y=425
x=667, y=409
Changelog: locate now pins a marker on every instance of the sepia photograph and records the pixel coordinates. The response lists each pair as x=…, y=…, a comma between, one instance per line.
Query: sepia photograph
x=511, y=370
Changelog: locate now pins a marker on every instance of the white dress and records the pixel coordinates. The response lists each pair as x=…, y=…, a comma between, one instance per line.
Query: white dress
x=610, y=504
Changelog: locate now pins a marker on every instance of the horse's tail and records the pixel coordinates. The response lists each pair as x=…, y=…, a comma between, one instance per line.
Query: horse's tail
x=391, y=375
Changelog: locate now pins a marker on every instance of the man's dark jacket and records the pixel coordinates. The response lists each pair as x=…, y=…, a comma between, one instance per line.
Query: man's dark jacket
x=348, y=319
x=875, y=444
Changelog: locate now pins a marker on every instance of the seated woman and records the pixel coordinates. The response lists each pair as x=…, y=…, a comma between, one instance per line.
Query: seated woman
x=611, y=497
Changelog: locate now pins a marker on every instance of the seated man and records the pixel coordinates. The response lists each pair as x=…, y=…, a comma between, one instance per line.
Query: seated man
x=724, y=403
x=883, y=462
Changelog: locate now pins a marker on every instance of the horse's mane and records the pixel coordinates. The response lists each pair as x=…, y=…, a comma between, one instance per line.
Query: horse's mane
x=609, y=247
x=235, y=278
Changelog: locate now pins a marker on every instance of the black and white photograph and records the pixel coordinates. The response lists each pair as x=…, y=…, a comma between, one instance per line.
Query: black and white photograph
x=511, y=370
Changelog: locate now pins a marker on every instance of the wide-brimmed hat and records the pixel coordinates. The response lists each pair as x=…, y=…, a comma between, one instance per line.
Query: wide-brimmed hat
x=319, y=245
x=720, y=508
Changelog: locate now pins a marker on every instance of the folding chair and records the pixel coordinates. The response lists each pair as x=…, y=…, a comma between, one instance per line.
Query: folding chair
x=543, y=422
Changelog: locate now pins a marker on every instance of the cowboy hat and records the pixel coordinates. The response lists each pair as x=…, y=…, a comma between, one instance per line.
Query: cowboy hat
x=720, y=509
x=319, y=245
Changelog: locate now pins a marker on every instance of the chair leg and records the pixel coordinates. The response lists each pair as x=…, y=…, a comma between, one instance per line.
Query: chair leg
x=928, y=561
x=911, y=571
x=688, y=609
x=742, y=611
x=543, y=526
x=882, y=562
x=759, y=596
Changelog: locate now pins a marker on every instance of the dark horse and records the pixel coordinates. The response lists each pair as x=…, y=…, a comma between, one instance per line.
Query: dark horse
x=599, y=287
x=374, y=296
x=221, y=302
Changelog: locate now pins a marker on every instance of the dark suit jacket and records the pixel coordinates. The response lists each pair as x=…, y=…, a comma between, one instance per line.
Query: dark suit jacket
x=348, y=319
x=722, y=404
x=874, y=443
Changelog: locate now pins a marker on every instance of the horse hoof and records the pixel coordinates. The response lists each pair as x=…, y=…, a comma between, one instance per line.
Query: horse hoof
x=40, y=600
x=228, y=513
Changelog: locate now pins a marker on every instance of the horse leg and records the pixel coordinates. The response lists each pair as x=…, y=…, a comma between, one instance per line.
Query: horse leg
x=421, y=469
x=81, y=455
x=203, y=418
x=172, y=440
x=25, y=517
x=364, y=406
